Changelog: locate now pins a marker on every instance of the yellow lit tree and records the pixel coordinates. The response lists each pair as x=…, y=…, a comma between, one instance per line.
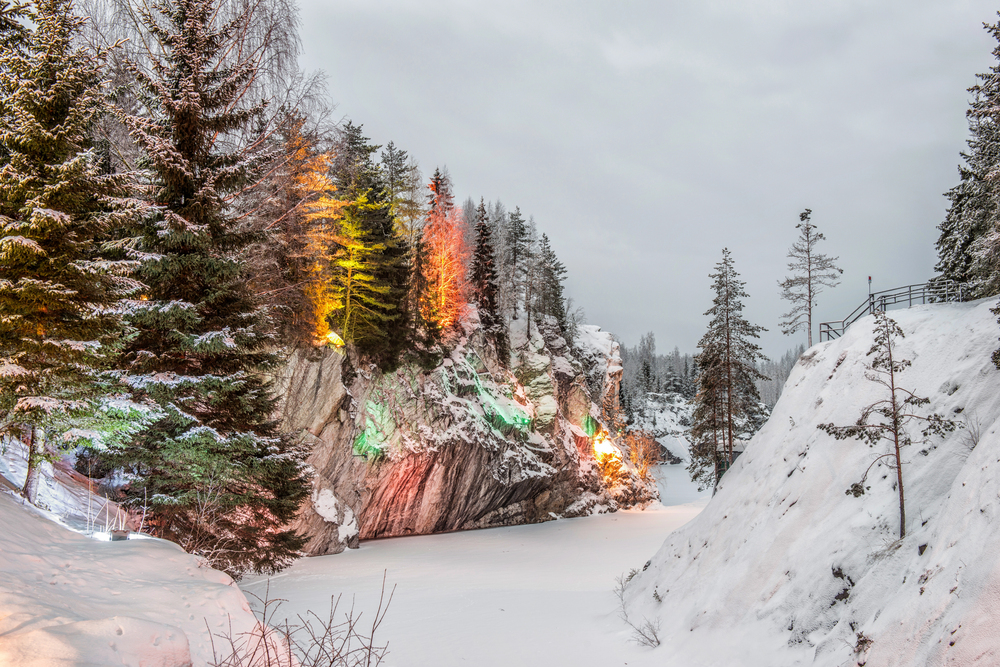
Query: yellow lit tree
x=359, y=307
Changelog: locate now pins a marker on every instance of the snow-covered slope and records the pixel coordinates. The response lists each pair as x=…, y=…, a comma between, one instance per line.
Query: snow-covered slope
x=69, y=600
x=784, y=568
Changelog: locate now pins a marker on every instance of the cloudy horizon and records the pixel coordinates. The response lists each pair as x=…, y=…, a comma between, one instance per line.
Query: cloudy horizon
x=644, y=140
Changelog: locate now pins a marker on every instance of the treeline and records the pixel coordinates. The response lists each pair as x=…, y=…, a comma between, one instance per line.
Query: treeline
x=646, y=372
x=176, y=208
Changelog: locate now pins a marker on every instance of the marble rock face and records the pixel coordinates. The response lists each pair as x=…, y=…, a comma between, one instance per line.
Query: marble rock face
x=467, y=444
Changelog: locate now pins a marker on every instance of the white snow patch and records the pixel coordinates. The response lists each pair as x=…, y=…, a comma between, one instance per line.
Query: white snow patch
x=784, y=568
x=327, y=506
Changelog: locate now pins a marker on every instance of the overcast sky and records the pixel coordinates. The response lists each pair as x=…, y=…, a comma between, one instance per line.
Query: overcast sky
x=646, y=136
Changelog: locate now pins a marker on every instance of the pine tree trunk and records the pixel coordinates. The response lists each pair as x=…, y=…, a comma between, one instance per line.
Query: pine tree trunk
x=895, y=441
x=30, y=490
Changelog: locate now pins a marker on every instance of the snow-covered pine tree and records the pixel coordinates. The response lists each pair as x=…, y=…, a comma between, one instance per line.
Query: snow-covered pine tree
x=404, y=190
x=61, y=274
x=483, y=284
x=552, y=273
x=516, y=259
x=969, y=244
x=219, y=478
x=727, y=406
x=811, y=271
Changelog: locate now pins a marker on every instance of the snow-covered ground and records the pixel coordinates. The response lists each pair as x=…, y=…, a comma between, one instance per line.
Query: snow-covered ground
x=784, y=568
x=71, y=600
x=781, y=568
x=540, y=594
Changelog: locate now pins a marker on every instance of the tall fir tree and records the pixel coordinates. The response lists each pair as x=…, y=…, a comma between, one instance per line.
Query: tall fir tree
x=727, y=406
x=516, y=260
x=552, y=273
x=218, y=477
x=370, y=263
x=483, y=284
x=969, y=243
x=812, y=272
x=444, y=261
x=62, y=276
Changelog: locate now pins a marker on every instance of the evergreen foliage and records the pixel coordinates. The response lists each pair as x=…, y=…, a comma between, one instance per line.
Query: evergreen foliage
x=969, y=244
x=549, y=298
x=62, y=275
x=483, y=286
x=444, y=263
x=217, y=476
x=811, y=272
x=404, y=191
x=369, y=266
x=727, y=406
x=887, y=419
x=518, y=255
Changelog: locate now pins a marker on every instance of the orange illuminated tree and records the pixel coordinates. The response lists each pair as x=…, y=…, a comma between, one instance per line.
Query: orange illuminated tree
x=322, y=211
x=446, y=259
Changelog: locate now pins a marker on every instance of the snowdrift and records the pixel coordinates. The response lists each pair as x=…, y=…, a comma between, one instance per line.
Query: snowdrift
x=784, y=568
x=69, y=600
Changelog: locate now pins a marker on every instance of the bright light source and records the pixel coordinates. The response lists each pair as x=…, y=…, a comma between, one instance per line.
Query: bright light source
x=334, y=339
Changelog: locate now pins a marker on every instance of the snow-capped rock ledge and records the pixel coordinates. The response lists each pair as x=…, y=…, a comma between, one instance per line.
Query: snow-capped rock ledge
x=466, y=444
x=784, y=568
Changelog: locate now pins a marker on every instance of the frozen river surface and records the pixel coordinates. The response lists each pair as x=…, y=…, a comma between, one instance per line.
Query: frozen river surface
x=526, y=595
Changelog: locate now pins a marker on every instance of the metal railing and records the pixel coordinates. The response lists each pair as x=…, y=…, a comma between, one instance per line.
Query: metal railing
x=937, y=291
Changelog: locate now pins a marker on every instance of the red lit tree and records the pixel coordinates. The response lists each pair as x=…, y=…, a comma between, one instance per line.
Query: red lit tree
x=446, y=258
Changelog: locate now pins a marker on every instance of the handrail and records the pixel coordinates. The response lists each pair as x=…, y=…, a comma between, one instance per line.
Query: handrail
x=935, y=291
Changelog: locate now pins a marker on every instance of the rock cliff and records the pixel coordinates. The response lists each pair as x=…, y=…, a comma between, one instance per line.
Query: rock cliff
x=469, y=443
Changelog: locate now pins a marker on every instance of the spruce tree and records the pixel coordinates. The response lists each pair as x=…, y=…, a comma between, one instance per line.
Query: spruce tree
x=370, y=262
x=811, y=271
x=727, y=406
x=968, y=248
x=61, y=275
x=552, y=273
x=483, y=281
x=218, y=477
x=516, y=261
x=444, y=262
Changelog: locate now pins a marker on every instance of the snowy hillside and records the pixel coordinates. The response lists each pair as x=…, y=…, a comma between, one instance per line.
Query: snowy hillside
x=67, y=599
x=784, y=568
